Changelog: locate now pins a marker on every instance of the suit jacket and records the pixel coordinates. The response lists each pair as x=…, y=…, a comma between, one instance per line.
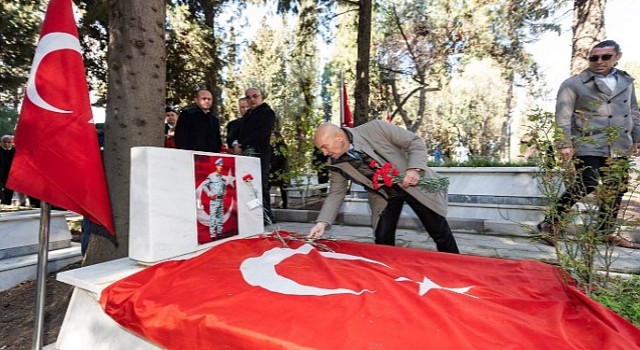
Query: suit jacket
x=198, y=131
x=586, y=109
x=232, y=131
x=6, y=158
x=254, y=130
x=383, y=142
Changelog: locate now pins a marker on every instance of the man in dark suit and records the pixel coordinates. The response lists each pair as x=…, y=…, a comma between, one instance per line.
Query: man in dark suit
x=197, y=129
x=232, y=126
x=254, y=135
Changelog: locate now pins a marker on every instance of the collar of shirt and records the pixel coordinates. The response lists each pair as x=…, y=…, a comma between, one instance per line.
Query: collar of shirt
x=611, y=79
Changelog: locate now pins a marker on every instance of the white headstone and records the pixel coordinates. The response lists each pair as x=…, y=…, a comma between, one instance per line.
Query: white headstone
x=174, y=192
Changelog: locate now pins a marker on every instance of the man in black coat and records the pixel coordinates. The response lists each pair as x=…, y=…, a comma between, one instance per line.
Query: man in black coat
x=7, y=151
x=232, y=126
x=197, y=129
x=254, y=134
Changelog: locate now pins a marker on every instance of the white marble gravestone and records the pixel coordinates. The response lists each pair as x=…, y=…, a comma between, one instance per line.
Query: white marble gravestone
x=169, y=211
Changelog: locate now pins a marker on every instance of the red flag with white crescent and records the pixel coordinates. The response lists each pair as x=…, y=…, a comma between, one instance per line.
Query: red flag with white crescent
x=57, y=156
x=346, y=111
x=259, y=294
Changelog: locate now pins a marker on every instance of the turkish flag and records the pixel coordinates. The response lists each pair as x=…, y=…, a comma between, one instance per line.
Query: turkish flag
x=259, y=294
x=346, y=111
x=57, y=156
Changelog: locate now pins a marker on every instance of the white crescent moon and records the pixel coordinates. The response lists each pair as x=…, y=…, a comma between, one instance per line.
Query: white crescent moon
x=261, y=272
x=49, y=43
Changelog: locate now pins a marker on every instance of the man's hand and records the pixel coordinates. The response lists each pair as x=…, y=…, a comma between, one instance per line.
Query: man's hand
x=566, y=153
x=317, y=230
x=411, y=178
x=237, y=149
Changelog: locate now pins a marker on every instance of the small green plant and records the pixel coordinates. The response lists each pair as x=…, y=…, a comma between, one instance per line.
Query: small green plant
x=622, y=296
x=579, y=233
x=481, y=162
x=75, y=226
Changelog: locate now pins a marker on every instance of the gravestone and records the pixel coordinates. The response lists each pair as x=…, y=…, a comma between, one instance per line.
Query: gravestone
x=170, y=210
x=171, y=199
x=19, y=240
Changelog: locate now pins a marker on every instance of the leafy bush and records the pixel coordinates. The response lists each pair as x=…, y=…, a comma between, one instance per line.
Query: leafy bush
x=622, y=296
x=481, y=162
x=8, y=120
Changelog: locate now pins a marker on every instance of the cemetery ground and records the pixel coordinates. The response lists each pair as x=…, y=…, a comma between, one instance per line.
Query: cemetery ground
x=17, y=312
x=17, y=304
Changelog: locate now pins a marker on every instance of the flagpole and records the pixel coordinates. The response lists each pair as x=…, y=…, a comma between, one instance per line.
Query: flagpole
x=341, y=99
x=43, y=257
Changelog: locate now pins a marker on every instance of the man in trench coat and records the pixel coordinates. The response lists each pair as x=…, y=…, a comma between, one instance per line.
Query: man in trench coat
x=350, y=152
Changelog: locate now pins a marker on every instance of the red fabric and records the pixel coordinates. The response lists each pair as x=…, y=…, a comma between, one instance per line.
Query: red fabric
x=348, y=120
x=57, y=156
x=208, y=303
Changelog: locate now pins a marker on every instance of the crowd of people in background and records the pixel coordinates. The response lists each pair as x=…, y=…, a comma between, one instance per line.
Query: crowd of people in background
x=251, y=134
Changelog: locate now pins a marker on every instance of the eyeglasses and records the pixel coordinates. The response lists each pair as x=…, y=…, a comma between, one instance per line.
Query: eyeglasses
x=253, y=96
x=605, y=57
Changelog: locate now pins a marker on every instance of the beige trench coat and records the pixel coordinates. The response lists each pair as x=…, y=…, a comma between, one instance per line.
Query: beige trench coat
x=383, y=142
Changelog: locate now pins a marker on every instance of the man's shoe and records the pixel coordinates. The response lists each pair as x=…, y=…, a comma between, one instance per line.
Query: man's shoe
x=547, y=233
x=617, y=240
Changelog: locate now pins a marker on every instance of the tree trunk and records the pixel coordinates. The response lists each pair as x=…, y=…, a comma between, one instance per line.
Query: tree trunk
x=361, y=93
x=504, y=144
x=212, y=80
x=588, y=30
x=135, y=107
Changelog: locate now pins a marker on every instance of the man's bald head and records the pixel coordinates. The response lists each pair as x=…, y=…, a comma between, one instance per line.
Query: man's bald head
x=331, y=140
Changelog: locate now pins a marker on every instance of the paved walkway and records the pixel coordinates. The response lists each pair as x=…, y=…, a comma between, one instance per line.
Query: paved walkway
x=625, y=260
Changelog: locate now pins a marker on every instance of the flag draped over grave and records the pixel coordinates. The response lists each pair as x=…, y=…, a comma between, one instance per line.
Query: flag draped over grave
x=57, y=156
x=257, y=294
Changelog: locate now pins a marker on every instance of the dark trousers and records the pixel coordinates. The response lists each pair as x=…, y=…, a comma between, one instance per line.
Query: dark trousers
x=590, y=171
x=436, y=225
x=6, y=195
x=283, y=194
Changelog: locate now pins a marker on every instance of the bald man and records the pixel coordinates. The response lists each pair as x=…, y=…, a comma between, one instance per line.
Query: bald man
x=197, y=129
x=350, y=150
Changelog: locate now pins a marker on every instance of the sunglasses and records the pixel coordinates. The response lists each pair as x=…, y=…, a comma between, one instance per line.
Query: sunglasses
x=605, y=57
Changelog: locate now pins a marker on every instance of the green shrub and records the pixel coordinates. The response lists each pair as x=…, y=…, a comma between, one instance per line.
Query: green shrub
x=8, y=120
x=622, y=296
x=481, y=162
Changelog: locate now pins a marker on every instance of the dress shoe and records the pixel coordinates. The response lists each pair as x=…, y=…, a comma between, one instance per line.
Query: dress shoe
x=617, y=240
x=547, y=233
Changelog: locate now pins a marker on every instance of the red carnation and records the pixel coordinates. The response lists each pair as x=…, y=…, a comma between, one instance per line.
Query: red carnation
x=247, y=177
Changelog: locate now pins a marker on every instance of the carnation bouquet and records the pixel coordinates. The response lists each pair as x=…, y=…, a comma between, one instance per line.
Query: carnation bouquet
x=388, y=175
